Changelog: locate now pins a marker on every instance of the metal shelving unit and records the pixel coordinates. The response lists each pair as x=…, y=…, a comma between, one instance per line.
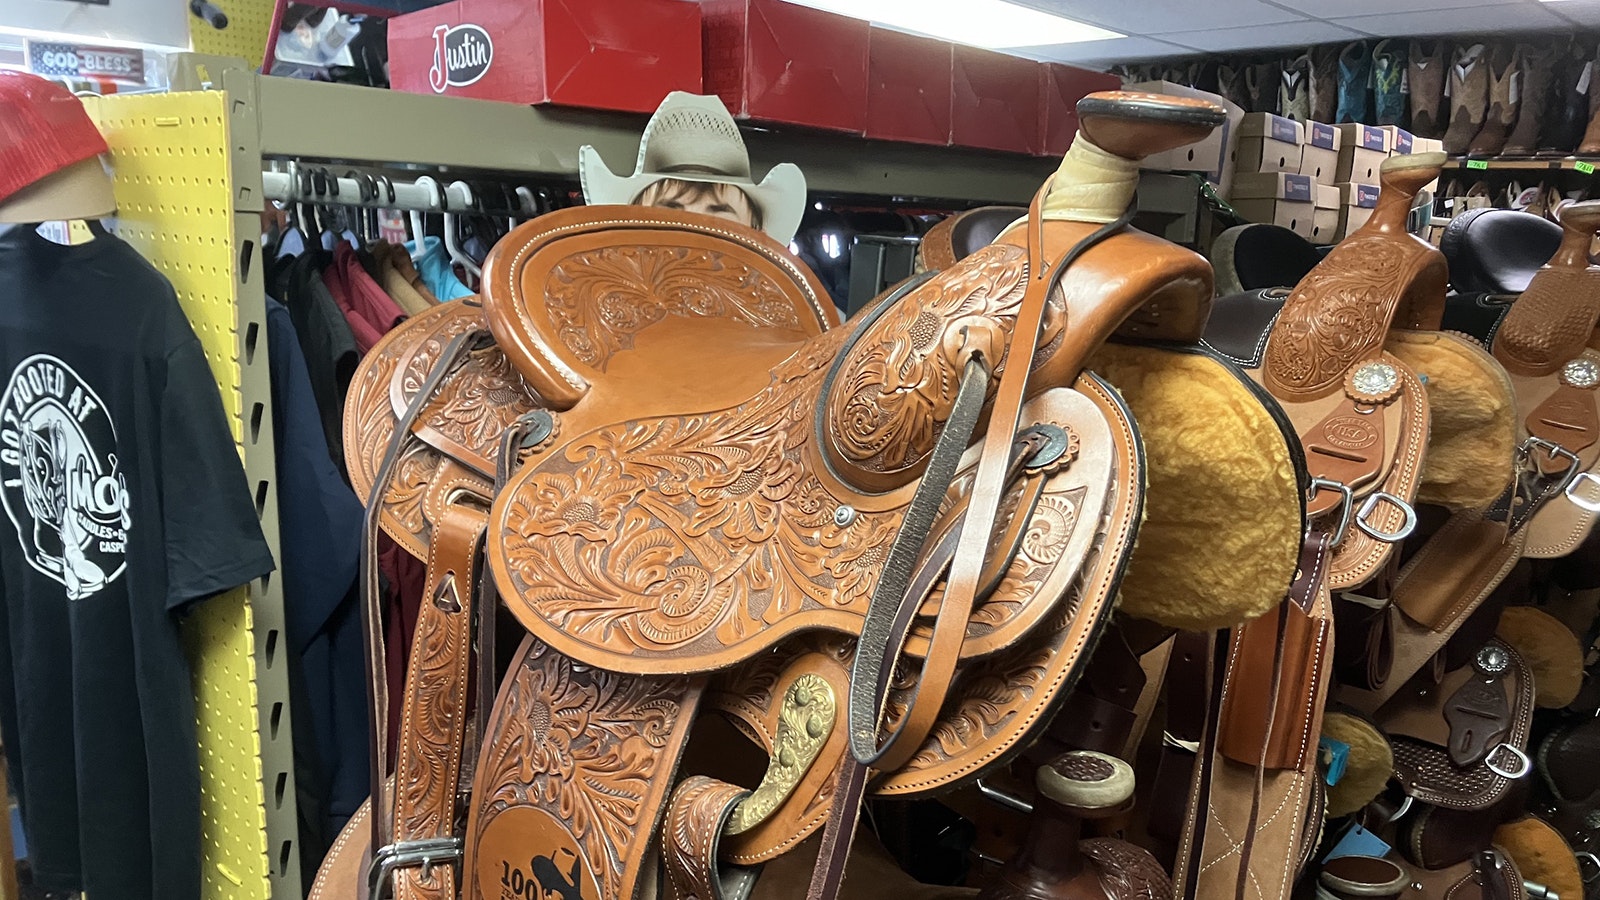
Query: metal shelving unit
x=1582, y=164
x=347, y=124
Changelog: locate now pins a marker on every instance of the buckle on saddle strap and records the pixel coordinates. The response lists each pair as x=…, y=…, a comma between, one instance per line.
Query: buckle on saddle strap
x=1583, y=503
x=408, y=854
x=1408, y=521
x=1346, y=502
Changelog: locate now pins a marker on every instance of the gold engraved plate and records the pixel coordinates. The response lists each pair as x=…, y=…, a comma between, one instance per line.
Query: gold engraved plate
x=804, y=723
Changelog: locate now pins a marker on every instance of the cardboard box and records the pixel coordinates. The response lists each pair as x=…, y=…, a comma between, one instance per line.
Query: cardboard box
x=1428, y=145
x=1062, y=87
x=1269, y=143
x=782, y=62
x=1280, y=198
x=604, y=54
x=1212, y=155
x=1356, y=202
x=1325, y=218
x=1319, y=157
x=1362, y=149
x=995, y=101
x=908, y=88
x=1400, y=140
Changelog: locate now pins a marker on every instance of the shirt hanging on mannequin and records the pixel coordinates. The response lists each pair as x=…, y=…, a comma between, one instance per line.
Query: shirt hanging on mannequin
x=127, y=505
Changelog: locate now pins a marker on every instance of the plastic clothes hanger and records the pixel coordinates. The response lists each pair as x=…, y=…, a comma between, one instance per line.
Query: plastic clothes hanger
x=452, y=237
x=418, y=233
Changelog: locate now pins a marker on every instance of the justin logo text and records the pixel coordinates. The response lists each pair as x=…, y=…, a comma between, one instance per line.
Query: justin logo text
x=59, y=478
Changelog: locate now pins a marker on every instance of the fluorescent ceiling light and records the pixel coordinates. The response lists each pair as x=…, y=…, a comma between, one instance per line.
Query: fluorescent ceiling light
x=995, y=24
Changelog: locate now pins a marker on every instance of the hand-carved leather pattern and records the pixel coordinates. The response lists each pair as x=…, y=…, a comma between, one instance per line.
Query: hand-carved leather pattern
x=1127, y=871
x=884, y=409
x=599, y=299
x=592, y=748
x=1551, y=322
x=1337, y=316
x=661, y=544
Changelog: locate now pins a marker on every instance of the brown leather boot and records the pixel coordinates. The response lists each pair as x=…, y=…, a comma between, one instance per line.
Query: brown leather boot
x=1505, y=66
x=1230, y=83
x=1469, y=97
x=1591, y=135
x=1325, y=82
x=1425, y=75
x=1537, y=65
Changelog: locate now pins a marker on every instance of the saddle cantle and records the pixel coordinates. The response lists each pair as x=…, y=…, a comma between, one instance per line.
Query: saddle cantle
x=763, y=537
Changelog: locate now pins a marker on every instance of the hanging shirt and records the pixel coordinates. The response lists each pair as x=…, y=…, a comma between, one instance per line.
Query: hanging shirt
x=319, y=528
x=370, y=312
x=126, y=504
x=325, y=339
x=434, y=264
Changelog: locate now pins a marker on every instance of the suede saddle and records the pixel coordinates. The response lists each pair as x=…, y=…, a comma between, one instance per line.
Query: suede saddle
x=765, y=567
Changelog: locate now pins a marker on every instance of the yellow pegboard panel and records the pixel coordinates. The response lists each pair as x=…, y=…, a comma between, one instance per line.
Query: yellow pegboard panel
x=174, y=189
x=246, y=34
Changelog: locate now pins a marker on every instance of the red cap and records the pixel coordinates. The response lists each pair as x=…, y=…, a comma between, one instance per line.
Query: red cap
x=43, y=129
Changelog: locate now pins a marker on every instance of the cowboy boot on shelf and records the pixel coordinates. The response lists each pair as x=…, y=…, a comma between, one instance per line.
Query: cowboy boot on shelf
x=1590, y=145
x=1263, y=79
x=1203, y=76
x=1324, y=82
x=1505, y=67
x=1537, y=65
x=1566, y=109
x=1469, y=98
x=1355, y=74
x=1231, y=85
x=1388, y=70
x=1477, y=196
x=1054, y=864
x=1294, y=90
x=1425, y=77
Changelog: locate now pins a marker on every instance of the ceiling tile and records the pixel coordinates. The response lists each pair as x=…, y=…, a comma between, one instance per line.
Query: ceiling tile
x=1345, y=9
x=1583, y=12
x=1525, y=16
x=1288, y=34
x=1135, y=18
x=1104, y=53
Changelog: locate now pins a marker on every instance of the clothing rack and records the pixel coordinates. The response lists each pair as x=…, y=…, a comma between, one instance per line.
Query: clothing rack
x=316, y=184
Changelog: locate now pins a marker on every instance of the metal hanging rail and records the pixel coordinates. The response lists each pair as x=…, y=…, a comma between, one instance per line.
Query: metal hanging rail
x=316, y=185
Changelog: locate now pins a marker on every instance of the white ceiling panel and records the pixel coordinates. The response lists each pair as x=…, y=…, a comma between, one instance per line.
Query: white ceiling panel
x=1106, y=53
x=1584, y=12
x=1287, y=34
x=1523, y=16
x=1138, y=17
x=1345, y=9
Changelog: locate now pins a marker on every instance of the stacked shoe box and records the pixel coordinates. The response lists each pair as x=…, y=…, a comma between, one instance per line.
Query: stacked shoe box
x=1319, y=159
x=1362, y=150
x=1268, y=185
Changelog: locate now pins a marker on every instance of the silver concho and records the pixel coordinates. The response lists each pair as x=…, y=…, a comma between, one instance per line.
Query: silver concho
x=1581, y=373
x=1373, y=381
x=1492, y=661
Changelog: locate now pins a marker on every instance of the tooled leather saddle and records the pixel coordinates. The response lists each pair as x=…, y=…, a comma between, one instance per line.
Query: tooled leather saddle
x=880, y=554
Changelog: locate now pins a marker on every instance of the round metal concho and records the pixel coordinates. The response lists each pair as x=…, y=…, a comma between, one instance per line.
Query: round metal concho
x=1492, y=661
x=1581, y=373
x=844, y=516
x=1372, y=382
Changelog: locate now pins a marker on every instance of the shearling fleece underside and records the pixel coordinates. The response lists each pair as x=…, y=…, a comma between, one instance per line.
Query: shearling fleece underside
x=1222, y=530
x=1367, y=768
x=1551, y=651
x=1473, y=432
x=1541, y=855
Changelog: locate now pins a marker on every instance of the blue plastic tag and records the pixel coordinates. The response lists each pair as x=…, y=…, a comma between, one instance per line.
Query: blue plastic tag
x=1335, y=755
x=1358, y=842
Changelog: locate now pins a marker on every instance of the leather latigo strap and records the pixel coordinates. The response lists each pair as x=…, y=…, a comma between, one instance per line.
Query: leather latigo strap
x=1188, y=687
x=433, y=723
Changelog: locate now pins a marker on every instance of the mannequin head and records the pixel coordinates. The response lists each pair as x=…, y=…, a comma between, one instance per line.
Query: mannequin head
x=725, y=201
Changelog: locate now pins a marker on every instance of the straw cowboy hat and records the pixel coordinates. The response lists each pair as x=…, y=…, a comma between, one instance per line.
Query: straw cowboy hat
x=693, y=138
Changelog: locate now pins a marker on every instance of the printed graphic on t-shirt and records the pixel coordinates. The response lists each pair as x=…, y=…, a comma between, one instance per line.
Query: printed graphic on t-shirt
x=59, y=478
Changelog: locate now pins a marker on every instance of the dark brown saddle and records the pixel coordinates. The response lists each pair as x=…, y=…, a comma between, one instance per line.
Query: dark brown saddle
x=882, y=552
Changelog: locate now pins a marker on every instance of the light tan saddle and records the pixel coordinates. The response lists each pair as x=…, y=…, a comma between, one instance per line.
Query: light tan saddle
x=882, y=553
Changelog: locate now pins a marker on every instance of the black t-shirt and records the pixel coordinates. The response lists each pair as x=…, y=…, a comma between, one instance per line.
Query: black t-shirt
x=126, y=502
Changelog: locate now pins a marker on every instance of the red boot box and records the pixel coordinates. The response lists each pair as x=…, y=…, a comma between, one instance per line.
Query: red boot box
x=908, y=95
x=995, y=102
x=604, y=54
x=1063, y=87
x=781, y=62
